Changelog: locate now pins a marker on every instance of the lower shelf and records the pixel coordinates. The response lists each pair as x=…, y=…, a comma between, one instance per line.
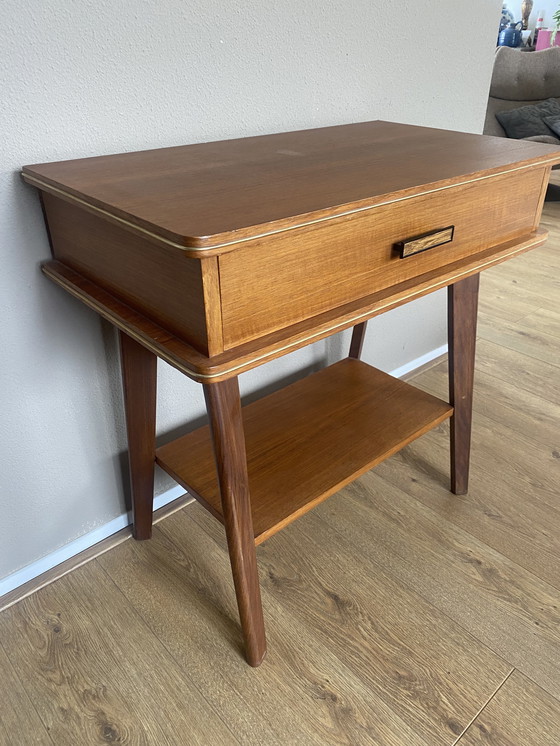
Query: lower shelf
x=308, y=440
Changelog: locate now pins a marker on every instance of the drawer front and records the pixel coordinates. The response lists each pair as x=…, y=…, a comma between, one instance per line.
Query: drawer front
x=271, y=283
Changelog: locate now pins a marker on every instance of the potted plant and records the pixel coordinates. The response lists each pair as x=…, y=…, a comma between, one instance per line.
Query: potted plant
x=556, y=19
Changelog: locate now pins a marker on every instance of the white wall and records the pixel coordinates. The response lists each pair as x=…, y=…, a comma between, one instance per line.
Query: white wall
x=548, y=6
x=83, y=78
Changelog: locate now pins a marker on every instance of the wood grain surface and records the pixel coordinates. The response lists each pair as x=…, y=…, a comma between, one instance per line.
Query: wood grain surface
x=352, y=608
x=230, y=467
x=436, y=597
x=427, y=241
x=264, y=279
x=198, y=366
x=160, y=283
x=520, y=714
x=500, y=603
x=305, y=694
x=397, y=611
x=88, y=684
x=206, y=194
x=139, y=381
x=15, y=729
x=517, y=516
x=462, y=310
x=305, y=272
x=308, y=440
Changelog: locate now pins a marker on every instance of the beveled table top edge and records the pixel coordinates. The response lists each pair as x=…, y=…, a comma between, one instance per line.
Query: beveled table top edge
x=220, y=243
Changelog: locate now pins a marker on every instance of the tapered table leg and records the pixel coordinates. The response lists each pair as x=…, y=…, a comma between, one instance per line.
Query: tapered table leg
x=462, y=313
x=357, y=342
x=224, y=410
x=139, y=373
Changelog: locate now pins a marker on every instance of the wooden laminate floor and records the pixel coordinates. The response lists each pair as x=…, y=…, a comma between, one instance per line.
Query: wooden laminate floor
x=397, y=614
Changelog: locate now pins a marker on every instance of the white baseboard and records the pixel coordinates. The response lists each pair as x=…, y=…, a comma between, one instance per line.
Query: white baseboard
x=419, y=362
x=32, y=571
x=40, y=566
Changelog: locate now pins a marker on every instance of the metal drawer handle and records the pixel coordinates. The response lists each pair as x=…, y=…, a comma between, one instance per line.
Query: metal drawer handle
x=426, y=241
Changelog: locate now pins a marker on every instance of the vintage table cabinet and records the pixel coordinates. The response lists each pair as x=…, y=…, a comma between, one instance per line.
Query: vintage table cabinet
x=219, y=257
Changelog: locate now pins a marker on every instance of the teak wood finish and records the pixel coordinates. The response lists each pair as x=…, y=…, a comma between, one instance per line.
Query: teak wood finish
x=353, y=256
x=357, y=341
x=308, y=440
x=139, y=374
x=228, y=440
x=221, y=256
x=201, y=368
x=462, y=307
x=354, y=193
x=394, y=612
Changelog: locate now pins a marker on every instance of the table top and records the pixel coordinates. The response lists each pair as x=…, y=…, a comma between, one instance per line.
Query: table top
x=206, y=195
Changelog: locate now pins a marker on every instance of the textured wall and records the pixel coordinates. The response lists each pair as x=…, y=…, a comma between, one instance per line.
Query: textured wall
x=81, y=78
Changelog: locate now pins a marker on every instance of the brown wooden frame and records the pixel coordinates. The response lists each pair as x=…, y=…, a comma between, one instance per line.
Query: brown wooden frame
x=139, y=375
x=201, y=256
x=462, y=307
x=226, y=425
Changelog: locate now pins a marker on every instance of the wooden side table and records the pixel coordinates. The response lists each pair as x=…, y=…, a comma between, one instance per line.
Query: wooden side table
x=219, y=257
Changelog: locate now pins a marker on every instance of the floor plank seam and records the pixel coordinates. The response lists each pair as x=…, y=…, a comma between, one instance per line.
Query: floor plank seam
x=512, y=432
x=415, y=592
x=525, y=354
x=530, y=677
x=525, y=315
x=537, y=310
x=479, y=540
x=527, y=440
x=471, y=633
x=519, y=383
x=169, y=652
x=494, y=419
x=344, y=675
x=460, y=736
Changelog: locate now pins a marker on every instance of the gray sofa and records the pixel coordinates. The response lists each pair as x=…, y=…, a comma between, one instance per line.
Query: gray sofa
x=519, y=79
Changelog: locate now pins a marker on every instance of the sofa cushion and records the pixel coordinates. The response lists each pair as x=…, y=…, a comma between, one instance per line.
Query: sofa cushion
x=528, y=121
x=548, y=139
x=554, y=124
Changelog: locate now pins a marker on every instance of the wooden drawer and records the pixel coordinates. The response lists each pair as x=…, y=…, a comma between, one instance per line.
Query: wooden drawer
x=265, y=285
x=176, y=291
x=235, y=245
